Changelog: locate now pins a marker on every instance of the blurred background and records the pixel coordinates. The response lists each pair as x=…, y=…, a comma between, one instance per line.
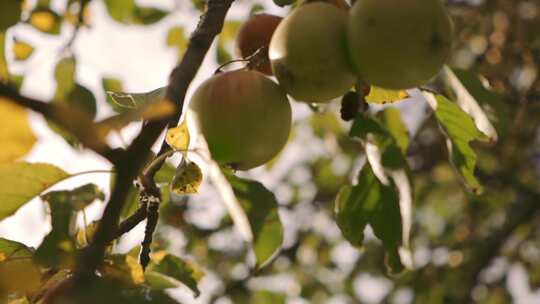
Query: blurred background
x=466, y=248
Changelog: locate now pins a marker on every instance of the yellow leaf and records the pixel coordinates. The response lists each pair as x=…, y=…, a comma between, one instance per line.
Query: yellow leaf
x=382, y=96
x=2, y=257
x=188, y=178
x=135, y=269
x=43, y=20
x=16, y=135
x=178, y=137
x=22, y=50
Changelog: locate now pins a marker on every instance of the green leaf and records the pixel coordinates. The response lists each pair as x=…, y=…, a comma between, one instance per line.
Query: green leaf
x=84, y=99
x=383, y=96
x=17, y=271
x=121, y=10
x=16, y=136
x=369, y=202
x=174, y=267
x=261, y=208
x=226, y=40
x=460, y=129
x=64, y=74
x=491, y=100
x=79, y=198
x=284, y=2
x=10, y=13
x=176, y=38
x=21, y=181
x=128, y=101
x=148, y=15
x=391, y=119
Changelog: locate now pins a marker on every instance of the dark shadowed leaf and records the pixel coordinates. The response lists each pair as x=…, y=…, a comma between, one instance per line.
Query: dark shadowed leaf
x=21, y=181
x=284, y=2
x=369, y=202
x=148, y=15
x=261, y=208
x=83, y=98
x=10, y=13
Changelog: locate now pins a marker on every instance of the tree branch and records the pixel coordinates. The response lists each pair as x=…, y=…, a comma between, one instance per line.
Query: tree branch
x=129, y=166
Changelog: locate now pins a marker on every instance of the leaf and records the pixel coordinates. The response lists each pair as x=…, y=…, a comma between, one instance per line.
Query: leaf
x=174, y=267
x=80, y=197
x=261, y=208
x=148, y=15
x=16, y=136
x=130, y=101
x=4, y=73
x=84, y=235
x=46, y=20
x=17, y=271
x=112, y=85
x=369, y=202
x=469, y=105
x=176, y=38
x=284, y=2
x=10, y=13
x=497, y=103
x=58, y=247
x=187, y=179
x=22, y=50
x=226, y=40
x=21, y=181
x=124, y=267
x=120, y=10
x=84, y=99
x=391, y=118
x=178, y=137
x=64, y=74
x=383, y=96
x=460, y=130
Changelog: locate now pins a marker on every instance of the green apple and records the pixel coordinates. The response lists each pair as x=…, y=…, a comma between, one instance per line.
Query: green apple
x=309, y=55
x=398, y=44
x=244, y=116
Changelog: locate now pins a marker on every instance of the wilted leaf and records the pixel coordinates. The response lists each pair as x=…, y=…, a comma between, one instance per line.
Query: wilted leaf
x=178, y=137
x=382, y=96
x=21, y=181
x=17, y=271
x=22, y=50
x=124, y=267
x=261, y=208
x=16, y=135
x=10, y=13
x=173, y=267
x=460, y=130
x=84, y=235
x=187, y=179
x=46, y=20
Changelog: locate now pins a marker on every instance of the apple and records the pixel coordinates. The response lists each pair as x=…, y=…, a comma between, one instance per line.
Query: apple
x=398, y=44
x=244, y=116
x=308, y=53
x=256, y=33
